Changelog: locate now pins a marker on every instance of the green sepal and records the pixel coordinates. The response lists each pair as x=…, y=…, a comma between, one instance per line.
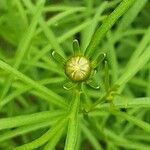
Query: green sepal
x=93, y=72
x=92, y=83
x=76, y=47
x=98, y=60
x=58, y=57
x=69, y=85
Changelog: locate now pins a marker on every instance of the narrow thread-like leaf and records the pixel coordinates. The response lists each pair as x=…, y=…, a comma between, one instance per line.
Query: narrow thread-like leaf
x=108, y=23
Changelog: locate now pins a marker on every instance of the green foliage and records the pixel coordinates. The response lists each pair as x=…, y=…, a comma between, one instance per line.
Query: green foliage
x=36, y=110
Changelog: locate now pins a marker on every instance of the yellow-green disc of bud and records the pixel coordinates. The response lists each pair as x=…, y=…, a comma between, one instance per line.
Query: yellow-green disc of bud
x=78, y=68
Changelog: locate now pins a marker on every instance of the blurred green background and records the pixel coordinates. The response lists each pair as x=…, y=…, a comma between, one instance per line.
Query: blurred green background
x=29, y=30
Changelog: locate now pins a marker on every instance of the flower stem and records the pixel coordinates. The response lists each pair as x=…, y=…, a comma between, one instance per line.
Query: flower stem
x=107, y=24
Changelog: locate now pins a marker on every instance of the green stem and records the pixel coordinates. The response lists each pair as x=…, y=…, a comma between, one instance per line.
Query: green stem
x=108, y=23
x=44, y=138
x=22, y=120
x=130, y=103
x=73, y=124
x=51, y=96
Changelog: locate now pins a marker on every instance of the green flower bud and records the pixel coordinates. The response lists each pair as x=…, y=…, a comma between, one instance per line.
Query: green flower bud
x=78, y=68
